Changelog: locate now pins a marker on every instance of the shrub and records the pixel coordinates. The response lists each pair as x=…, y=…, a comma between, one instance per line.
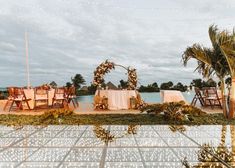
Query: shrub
x=174, y=110
x=153, y=108
x=55, y=114
x=191, y=110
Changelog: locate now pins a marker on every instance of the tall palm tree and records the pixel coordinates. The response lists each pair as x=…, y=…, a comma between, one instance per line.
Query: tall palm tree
x=226, y=42
x=210, y=61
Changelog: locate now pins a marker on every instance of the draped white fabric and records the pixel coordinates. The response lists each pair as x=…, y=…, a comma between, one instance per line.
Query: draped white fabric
x=29, y=93
x=171, y=96
x=117, y=99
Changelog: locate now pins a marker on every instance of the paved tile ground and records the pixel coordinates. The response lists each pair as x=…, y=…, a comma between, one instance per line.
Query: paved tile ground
x=112, y=146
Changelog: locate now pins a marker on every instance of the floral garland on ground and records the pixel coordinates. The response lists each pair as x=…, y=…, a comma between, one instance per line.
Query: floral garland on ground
x=105, y=68
x=106, y=136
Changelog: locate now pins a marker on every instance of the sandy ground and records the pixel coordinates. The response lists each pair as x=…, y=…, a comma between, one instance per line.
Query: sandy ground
x=84, y=108
x=87, y=108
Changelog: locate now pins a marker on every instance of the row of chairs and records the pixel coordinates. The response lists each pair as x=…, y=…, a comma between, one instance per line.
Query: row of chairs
x=62, y=96
x=207, y=97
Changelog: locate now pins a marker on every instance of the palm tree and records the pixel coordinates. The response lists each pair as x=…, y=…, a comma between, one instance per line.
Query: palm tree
x=210, y=61
x=78, y=80
x=226, y=42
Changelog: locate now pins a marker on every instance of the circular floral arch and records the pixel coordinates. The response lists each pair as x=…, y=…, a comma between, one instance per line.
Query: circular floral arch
x=106, y=67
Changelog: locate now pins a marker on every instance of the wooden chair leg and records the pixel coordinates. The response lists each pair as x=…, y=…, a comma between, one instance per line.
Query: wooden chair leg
x=21, y=105
x=220, y=104
x=77, y=102
x=11, y=105
x=4, y=108
x=193, y=101
x=35, y=104
x=53, y=101
x=74, y=105
x=212, y=107
x=28, y=104
x=65, y=104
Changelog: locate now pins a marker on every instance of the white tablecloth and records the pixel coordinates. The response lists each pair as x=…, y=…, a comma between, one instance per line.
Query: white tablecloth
x=171, y=96
x=29, y=93
x=117, y=99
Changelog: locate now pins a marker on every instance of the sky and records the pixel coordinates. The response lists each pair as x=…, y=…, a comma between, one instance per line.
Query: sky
x=67, y=37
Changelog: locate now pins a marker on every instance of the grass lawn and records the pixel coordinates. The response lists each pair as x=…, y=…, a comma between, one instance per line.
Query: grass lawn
x=110, y=119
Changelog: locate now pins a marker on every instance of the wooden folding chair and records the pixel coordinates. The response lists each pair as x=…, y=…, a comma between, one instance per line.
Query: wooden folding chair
x=212, y=98
x=40, y=95
x=198, y=96
x=59, y=96
x=16, y=96
x=71, y=96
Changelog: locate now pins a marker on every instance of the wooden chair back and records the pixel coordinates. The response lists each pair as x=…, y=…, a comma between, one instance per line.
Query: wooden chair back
x=19, y=91
x=11, y=92
x=210, y=92
x=198, y=96
x=41, y=91
x=60, y=90
x=71, y=91
x=198, y=92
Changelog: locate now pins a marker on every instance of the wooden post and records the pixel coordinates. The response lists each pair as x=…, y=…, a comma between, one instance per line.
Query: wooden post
x=27, y=59
x=232, y=98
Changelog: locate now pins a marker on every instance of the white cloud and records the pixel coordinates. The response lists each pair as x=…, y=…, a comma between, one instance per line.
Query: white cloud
x=69, y=37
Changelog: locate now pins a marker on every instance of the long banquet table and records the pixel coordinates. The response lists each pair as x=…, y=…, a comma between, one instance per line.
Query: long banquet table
x=29, y=93
x=117, y=99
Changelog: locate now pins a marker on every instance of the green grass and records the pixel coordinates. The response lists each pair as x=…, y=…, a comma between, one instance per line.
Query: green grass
x=110, y=119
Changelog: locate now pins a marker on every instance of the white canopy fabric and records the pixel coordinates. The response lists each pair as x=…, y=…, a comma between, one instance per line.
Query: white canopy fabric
x=171, y=96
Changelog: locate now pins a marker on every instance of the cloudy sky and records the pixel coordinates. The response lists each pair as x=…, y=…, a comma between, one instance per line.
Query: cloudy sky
x=74, y=36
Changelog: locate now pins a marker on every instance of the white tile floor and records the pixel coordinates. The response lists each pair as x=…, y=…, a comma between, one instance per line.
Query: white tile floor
x=107, y=146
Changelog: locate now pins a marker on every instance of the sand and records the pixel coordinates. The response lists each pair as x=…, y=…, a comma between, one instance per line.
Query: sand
x=87, y=108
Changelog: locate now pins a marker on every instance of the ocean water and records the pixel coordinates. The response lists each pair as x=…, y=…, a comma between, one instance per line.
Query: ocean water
x=147, y=97
x=3, y=89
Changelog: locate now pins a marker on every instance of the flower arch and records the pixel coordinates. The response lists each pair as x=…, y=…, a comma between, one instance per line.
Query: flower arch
x=106, y=67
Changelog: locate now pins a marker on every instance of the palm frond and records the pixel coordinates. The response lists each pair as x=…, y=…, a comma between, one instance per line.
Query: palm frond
x=196, y=52
x=227, y=46
x=213, y=31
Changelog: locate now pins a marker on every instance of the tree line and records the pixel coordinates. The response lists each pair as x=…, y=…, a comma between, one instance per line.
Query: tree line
x=78, y=81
